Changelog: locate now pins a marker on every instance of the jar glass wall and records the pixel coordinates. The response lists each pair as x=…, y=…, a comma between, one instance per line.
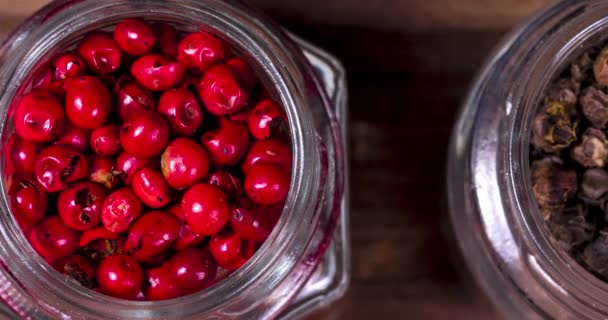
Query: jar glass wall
x=309, y=83
x=497, y=222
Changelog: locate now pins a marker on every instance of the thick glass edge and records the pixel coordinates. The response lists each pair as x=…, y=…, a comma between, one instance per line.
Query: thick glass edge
x=464, y=212
x=332, y=277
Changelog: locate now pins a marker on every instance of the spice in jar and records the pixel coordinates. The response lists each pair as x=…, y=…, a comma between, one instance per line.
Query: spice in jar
x=569, y=155
x=147, y=163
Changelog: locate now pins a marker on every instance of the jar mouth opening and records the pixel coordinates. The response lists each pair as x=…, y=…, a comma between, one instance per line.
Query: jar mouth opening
x=566, y=278
x=230, y=22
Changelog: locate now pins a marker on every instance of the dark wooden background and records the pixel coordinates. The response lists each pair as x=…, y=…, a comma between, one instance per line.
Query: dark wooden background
x=405, y=89
x=409, y=64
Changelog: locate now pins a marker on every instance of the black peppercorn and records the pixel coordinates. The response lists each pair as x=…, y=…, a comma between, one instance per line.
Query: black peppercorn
x=552, y=183
x=594, y=187
x=600, y=68
x=570, y=228
x=569, y=160
x=595, y=255
x=592, y=151
x=554, y=129
x=594, y=104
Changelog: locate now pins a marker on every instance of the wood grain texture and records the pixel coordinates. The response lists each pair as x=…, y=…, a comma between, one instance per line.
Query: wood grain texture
x=405, y=90
x=409, y=14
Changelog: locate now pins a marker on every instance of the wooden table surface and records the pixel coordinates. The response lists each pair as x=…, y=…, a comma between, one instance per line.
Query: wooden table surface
x=405, y=90
x=409, y=65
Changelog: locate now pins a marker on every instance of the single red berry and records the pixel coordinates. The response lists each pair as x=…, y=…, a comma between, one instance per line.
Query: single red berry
x=131, y=98
x=134, y=36
x=151, y=188
x=120, y=276
x=193, y=269
x=78, y=268
x=248, y=248
x=101, y=54
x=266, y=184
x=181, y=110
x=88, y=102
x=187, y=238
x=57, y=166
x=75, y=137
x=267, y=119
x=243, y=72
x=161, y=284
x=145, y=135
x=105, y=140
x=221, y=92
x=129, y=164
x=68, y=65
x=103, y=171
x=167, y=38
x=53, y=240
x=227, y=145
x=44, y=80
x=28, y=201
x=206, y=208
x=272, y=151
x=199, y=50
x=120, y=209
x=226, y=248
x=80, y=206
x=99, y=233
x=157, y=72
x=254, y=222
x=184, y=163
x=20, y=156
x=226, y=181
x=152, y=234
x=39, y=117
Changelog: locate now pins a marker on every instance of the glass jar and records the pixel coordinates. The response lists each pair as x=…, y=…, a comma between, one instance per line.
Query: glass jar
x=496, y=219
x=303, y=264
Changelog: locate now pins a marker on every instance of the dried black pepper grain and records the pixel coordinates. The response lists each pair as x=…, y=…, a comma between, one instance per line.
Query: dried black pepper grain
x=592, y=151
x=570, y=227
x=553, y=184
x=595, y=254
x=600, y=68
x=594, y=103
x=581, y=67
x=568, y=169
x=594, y=187
x=554, y=129
x=565, y=91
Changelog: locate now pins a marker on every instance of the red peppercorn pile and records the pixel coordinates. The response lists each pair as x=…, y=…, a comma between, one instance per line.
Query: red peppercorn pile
x=146, y=163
